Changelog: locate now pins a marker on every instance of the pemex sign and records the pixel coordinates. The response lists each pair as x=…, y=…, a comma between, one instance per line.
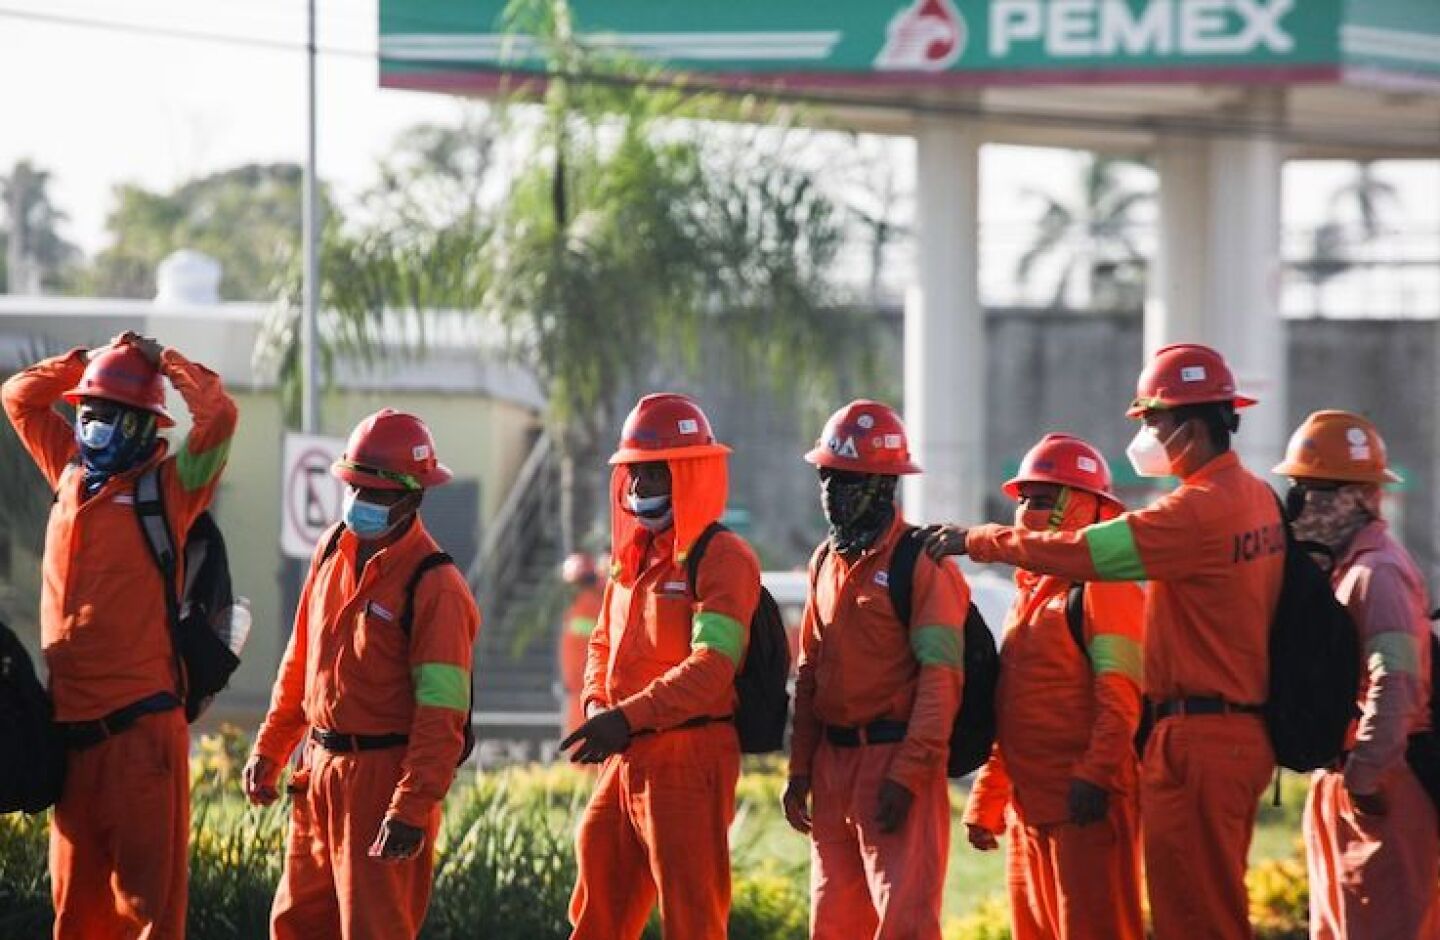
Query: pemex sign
x=444, y=45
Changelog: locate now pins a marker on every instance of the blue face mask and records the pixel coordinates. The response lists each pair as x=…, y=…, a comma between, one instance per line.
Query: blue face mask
x=109, y=447
x=96, y=435
x=367, y=520
x=653, y=512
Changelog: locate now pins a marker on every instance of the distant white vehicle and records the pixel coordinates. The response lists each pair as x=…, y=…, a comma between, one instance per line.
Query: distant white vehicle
x=992, y=593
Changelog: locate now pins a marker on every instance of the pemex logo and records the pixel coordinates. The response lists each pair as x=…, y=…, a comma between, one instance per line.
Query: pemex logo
x=926, y=36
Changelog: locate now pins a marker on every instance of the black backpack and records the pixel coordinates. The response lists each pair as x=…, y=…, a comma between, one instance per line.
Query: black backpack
x=1422, y=752
x=1314, y=665
x=32, y=753
x=200, y=617
x=760, y=683
x=407, y=622
x=973, y=733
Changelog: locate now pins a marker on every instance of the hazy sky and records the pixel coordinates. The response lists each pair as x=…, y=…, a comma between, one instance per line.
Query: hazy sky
x=98, y=106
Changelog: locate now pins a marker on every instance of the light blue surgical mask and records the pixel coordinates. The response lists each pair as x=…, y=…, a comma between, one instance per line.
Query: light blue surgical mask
x=367, y=520
x=97, y=435
x=653, y=512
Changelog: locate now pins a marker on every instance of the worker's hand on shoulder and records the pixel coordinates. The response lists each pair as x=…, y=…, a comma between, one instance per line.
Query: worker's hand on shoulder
x=942, y=540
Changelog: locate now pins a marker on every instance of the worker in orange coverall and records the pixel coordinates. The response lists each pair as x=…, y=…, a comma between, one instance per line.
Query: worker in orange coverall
x=380, y=703
x=1064, y=768
x=875, y=698
x=1213, y=551
x=659, y=688
x=118, y=840
x=580, y=572
x=1370, y=828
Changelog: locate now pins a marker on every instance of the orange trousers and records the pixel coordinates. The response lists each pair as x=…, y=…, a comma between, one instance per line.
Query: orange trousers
x=331, y=889
x=1372, y=877
x=118, y=841
x=657, y=827
x=1201, y=783
x=1077, y=882
x=863, y=882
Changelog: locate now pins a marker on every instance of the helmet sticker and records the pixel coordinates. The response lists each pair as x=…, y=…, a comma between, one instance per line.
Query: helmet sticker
x=420, y=452
x=865, y=421
x=893, y=441
x=1356, y=436
x=1192, y=374
x=844, y=448
x=1086, y=464
x=689, y=426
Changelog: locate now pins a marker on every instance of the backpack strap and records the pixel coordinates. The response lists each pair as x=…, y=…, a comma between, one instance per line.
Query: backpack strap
x=332, y=544
x=901, y=576
x=1075, y=616
x=150, y=510
x=407, y=613
x=697, y=551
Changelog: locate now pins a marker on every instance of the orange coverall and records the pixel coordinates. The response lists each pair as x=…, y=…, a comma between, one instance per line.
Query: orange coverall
x=859, y=664
x=1214, y=552
x=349, y=668
x=657, y=824
x=1065, y=714
x=575, y=632
x=118, y=844
x=1375, y=877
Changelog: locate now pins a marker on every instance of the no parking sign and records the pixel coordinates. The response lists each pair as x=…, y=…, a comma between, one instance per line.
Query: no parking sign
x=311, y=496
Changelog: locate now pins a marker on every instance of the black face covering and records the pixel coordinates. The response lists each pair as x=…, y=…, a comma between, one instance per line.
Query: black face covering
x=858, y=506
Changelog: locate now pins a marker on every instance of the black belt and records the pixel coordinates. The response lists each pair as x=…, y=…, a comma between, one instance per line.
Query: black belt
x=882, y=731
x=1201, y=705
x=79, y=735
x=338, y=743
x=699, y=721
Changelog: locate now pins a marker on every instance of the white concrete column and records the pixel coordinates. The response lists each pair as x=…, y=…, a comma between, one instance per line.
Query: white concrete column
x=1218, y=274
x=945, y=389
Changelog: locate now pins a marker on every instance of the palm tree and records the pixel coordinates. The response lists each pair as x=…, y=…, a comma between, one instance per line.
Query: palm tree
x=1097, y=232
x=638, y=225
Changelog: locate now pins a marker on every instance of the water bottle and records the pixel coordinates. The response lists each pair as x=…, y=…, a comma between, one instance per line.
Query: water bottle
x=239, y=630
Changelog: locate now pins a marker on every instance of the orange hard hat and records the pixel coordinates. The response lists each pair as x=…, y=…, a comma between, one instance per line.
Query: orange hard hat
x=1185, y=374
x=578, y=567
x=1336, y=445
x=864, y=437
x=1065, y=460
x=391, y=450
x=123, y=375
x=664, y=426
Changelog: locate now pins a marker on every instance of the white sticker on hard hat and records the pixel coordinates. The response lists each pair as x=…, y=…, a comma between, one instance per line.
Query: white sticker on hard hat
x=420, y=452
x=845, y=448
x=865, y=421
x=1360, y=452
x=882, y=578
x=893, y=441
x=1087, y=464
x=1356, y=436
x=1192, y=374
x=689, y=426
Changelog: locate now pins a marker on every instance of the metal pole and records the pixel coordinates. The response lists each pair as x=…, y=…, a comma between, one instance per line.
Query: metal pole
x=309, y=410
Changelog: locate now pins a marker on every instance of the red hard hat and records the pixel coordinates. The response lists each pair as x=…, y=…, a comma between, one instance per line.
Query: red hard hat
x=1185, y=374
x=864, y=437
x=1068, y=461
x=122, y=374
x=577, y=568
x=391, y=450
x=665, y=425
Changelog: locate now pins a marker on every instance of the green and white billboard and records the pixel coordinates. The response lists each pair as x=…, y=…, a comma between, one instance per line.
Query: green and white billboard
x=463, y=46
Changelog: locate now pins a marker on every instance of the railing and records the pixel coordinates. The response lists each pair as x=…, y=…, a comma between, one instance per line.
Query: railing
x=526, y=518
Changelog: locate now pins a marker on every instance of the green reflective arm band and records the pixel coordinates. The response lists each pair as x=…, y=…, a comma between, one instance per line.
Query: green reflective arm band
x=1113, y=552
x=197, y=470
x=582, y=626
x=1110, y=652
x=1397, y=652
x=938, y=646
x=442, y=685
x=720, y=633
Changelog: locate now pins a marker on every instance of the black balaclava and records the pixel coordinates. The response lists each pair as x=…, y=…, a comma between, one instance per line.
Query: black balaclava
x=858, y=506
